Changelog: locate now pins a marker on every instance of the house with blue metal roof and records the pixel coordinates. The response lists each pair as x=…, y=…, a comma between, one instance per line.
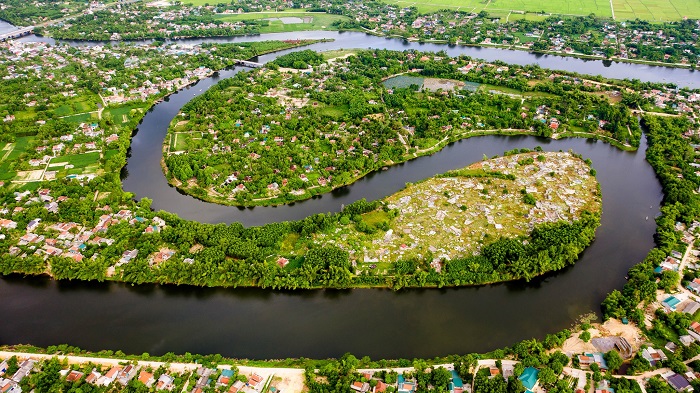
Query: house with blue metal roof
x=529, y=378
x=670, y=303
x=405, y=386
x=456, y=384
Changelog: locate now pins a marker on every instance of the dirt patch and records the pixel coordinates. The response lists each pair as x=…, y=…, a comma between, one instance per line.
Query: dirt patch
x=574, y=345
x=196, y=248
x=613, y=327
x=433, y=84
x=29, y=175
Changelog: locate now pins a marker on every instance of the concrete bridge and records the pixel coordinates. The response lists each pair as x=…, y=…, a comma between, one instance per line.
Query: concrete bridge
x=246, y=63
x=20, y=32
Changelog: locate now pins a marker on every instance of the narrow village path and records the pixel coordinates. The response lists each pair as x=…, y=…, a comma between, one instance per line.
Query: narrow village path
x=612, y=9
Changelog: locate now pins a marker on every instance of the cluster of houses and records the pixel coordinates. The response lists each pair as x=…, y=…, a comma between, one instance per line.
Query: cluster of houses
x=88, y=138
x=148, y=89
x=446, y=217
x=403, y=384
x=170, y=22
x=68, y=239
x=48, y=62
x=226, y=378
x=122, y=374
x=601, y=38
x=10, y=384
x=251, y=141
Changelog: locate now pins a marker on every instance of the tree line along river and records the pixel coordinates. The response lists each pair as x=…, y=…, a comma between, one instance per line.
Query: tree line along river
x=258, y=323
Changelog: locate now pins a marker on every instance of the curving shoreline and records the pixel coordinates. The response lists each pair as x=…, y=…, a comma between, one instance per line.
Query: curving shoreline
x=623, y=237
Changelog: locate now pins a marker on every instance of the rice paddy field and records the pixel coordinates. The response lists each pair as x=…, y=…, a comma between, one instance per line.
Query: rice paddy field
x=654, y=10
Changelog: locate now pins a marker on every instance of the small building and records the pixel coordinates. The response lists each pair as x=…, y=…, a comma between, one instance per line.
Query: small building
x=690, y=307
x=677, y=382
x=686, y=340
x=694, y=285
x=587, y=359
x=653, y=356
x=405, y=386
x=9, y=386
x=93, y=377
x=224, y=378
x=33, y=224
x=604, y=387
x=282, y=262
x=236, y=387
x=165, y=382
x=456, y=385
x=255, y=381
x=529, y=378
x=146, y=378
x=74, y=375
x=361, y=387
x=670, y=303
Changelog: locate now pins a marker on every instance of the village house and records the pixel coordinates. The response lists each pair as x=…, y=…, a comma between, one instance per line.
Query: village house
x=165, y=382
x=587, y=359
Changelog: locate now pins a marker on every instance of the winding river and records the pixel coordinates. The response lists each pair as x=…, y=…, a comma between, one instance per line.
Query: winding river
x=380, y=323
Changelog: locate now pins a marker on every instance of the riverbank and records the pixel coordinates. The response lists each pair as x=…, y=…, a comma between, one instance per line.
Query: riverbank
x=560, y=53
x=319, y=190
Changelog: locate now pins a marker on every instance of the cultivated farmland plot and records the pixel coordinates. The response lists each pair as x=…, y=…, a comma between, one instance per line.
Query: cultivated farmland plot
x=655, y=10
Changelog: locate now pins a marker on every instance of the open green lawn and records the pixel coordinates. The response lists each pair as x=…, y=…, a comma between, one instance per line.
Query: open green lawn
x=335, y=112
x=655, y=10
x=332, y=54
x=311, y=20
x=5, y=172
x=124, y=114
x=10, y=153
x=82, y=118
x=79, y=160
x=18, y=147
x=110, y=153
x=184, y=141
x=28, y=114
x=81, y=104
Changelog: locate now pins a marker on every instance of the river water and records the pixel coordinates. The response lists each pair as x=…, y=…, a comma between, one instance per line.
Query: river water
x=380, y=323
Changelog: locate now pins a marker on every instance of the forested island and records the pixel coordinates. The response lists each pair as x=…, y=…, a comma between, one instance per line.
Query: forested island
x=306, y=124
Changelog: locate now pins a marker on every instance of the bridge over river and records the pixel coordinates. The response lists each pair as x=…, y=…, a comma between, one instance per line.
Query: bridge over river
x=20, y=32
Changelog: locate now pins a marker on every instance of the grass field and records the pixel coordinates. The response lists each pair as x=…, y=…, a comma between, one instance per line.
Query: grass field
x=654, y=10
x=332, y=54
x=82, y=118
x=124, y=112
x=10, y=153
x=79, y=160
x=317, y=21
x=18, y=147
x=77, y=105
